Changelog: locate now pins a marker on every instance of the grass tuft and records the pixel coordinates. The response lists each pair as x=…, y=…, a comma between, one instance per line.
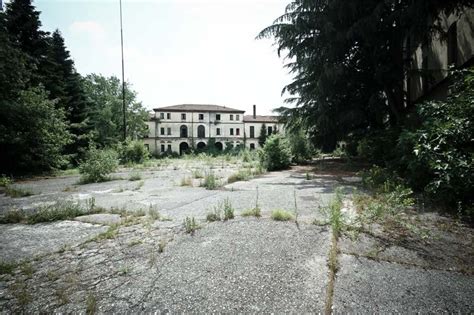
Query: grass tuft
x=281, y=215
x=134, y=176
x=17, y=192
x=210, y=181
x=255, y=212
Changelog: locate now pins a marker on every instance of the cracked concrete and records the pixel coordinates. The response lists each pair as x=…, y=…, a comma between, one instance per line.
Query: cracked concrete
x=239, y=266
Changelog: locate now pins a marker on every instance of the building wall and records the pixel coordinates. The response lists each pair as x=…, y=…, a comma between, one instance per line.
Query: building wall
x=434, y=57
x=224, y=130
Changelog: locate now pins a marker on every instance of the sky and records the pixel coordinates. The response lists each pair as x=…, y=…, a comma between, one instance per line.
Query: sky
x=177, y=51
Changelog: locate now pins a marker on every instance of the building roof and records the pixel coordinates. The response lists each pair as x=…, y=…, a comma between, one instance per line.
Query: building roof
x=198, y=108
x=260, y=118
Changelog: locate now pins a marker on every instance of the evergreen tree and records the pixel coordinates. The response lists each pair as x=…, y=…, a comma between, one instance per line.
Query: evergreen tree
x=23, y=26
x=349, y=61
x=263, y=135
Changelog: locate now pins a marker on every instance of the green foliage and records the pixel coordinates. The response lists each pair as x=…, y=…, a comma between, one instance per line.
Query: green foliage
x=241, y=175
x=98, y=164
x=33, y=133
x=210, y=181
x=133, y=152
x=228, y=210
x=17, y=192
x=335, y=214
x=105, y=110
x=300, y=146
x=441, y=148
x=7, y=267
x=262, y=138
x=281, y=215
x=255, y=212
x=276, y=153
x=190, y=225
x=349, y=62
x=134, y=176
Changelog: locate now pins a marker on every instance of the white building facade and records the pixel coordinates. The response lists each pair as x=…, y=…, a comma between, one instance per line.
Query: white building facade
x=180, y=128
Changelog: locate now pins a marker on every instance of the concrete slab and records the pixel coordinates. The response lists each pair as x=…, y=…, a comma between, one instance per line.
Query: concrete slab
x=367, y=286
x=100, y=218
x=19, y=241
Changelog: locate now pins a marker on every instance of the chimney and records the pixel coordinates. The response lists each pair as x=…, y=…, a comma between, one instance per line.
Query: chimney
x=254, y=111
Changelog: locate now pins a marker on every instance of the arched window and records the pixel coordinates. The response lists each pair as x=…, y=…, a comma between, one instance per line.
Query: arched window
x=183, y=131
x=201, y=132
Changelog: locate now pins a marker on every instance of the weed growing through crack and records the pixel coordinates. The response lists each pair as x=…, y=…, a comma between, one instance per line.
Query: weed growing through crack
x=186, y=181
x=20, y=292
x=308, y=176
x=161, y=246
x=210, y=181
x=281, y=215
x=17, y=192
x=7, y=267
x=190, y=225
x=134, y=176
x=197, y=173
x=222, y=211
x=27, y=270
x=62, y=295
x=254, y=212
x=91, y=304
x=139, y=185
x=153, y=212
x=228, y=210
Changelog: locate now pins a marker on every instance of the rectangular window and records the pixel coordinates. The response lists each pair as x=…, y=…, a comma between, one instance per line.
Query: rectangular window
x=218, y=131
x=162, y=148
x=162, y=115
x=183, y=116
x=218, y=116
x=168, y=115
x=237, y=131
x=270, y=130
x=169, y=147
x=252, y=132
x=231, y=117
x=231, y=131
x=162, y=131
x=169, y=131
x=237, y=117
x=201, y=116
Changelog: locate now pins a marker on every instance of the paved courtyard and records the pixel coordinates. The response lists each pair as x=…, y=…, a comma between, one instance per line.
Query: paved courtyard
x=132, y=261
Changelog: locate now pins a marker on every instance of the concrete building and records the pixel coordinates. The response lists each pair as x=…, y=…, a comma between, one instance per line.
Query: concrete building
x=179, y=128
x=453, y=48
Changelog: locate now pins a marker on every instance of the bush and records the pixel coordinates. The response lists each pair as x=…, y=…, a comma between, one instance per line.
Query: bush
x=276, y=153
x=300, y=146
x=438, y=155
x=98, y=164
x=134, y=152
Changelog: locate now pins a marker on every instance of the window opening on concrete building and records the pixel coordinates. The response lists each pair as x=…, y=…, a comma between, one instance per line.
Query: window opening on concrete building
x=201, y=131
x=252, y=132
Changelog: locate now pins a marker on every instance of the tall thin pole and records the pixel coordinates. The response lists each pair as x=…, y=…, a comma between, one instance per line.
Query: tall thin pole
x=123, y=78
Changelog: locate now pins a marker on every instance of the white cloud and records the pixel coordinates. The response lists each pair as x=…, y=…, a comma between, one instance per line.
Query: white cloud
x=91, y=28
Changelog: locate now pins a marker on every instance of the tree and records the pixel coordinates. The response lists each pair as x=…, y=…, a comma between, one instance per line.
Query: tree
x=263, y=135
x=33, y=133
x=105, y=110
x=276, y=153
x=23, y=26
x=348, y=61
x=66, y=89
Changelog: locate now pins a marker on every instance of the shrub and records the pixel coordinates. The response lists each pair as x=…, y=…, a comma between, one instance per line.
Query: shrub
x=210, y=181
x=276, y=153
x=442, y=145
x=134, y=152
x=281, y=215
x=5, y=181
x=300, y=146
x=98, y=164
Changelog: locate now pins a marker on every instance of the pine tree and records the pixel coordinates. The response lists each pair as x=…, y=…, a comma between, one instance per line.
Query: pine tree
x=23, y=26
x=262, y=138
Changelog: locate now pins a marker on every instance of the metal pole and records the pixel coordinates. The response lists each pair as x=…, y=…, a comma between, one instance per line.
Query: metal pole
x=123, y=78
